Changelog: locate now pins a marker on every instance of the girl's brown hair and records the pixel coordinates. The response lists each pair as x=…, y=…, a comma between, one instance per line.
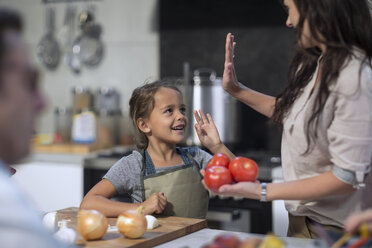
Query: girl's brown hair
x=141, y=105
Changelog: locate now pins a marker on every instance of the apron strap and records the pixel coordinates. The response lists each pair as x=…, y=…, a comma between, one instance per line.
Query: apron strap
x=149, y=167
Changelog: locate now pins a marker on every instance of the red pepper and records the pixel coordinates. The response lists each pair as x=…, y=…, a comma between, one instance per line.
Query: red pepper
x=358, y=243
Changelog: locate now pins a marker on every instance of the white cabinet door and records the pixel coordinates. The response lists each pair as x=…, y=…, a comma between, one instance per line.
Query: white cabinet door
x=51, y=185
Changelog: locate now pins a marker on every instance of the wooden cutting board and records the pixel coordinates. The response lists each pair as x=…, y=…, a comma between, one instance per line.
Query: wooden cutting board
x=170, y=228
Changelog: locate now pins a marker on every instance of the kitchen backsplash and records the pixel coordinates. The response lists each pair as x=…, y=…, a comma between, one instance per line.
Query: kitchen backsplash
x=195, y=31
x=131, y=49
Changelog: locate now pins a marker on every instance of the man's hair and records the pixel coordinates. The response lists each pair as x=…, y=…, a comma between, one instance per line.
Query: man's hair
x=9, y=20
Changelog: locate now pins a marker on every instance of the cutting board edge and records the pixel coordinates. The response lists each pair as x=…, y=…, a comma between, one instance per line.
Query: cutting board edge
x=171, y=235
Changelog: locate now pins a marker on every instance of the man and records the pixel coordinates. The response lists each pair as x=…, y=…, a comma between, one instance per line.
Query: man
x=20, y=103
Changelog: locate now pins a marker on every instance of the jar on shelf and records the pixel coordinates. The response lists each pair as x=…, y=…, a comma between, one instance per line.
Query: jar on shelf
x=62, y=124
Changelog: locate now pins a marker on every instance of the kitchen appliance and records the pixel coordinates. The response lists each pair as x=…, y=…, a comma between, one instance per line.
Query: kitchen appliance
x=206, y=93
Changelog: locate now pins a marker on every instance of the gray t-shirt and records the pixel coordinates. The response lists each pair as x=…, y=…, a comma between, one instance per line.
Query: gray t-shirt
x=125, y=174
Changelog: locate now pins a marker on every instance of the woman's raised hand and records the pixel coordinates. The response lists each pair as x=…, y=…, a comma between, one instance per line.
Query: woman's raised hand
x=206, y=130
x=230, y=81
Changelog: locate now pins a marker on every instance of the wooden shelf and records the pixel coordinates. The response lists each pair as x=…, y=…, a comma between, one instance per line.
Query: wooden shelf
x=69, y=148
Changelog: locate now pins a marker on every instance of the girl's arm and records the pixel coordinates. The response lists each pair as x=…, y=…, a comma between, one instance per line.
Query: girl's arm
x=262, y=103
x=98, y=198
x=312, y=188
x=208, y=134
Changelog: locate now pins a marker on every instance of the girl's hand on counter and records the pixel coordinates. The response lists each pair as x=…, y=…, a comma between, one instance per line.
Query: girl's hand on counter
x=156, y=203
x=251, y=190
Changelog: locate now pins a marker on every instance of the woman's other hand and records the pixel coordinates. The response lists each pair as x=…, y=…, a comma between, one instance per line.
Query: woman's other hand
x=355, y=220
x=207, y=130
x=251, y=190
x=230, y=81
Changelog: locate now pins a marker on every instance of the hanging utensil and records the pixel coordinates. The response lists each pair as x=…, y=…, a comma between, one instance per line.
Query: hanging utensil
x=48, y=49
x=71, y=58
x=88, y=45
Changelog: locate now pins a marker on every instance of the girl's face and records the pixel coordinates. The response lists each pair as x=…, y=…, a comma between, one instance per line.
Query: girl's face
x=167, y=121
x=292, y=22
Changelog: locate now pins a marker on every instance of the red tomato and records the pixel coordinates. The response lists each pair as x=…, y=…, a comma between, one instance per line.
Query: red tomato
x=213, y=245
x=227, y=240
x=220, y=159
x=216, y=176
x=243, y=169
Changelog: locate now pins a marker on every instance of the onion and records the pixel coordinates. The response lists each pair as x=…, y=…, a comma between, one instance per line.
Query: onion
x=132, y=223
x=91, y=224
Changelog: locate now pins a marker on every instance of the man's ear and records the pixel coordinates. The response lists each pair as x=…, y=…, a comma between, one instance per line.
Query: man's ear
x=143, y=125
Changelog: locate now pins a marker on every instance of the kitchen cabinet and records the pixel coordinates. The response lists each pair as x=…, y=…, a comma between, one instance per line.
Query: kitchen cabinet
x=51, y=181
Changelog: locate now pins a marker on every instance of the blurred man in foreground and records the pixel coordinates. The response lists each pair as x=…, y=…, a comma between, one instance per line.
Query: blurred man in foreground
x=20, y=103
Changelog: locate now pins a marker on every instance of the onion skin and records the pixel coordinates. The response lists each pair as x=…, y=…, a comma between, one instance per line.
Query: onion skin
x=132, y=224
x=91, y=224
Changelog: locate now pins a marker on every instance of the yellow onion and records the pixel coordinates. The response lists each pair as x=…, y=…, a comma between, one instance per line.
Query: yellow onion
x=132, y=223
x=91, y=224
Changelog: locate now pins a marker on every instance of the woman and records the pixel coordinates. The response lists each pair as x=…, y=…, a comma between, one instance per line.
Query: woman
x=325, y=112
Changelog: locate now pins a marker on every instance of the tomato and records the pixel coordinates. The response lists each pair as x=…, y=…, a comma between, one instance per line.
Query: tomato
x=216, y=176
x=220, y=159
x=243, y=169
x=213, y=245
x=250, y=243
x=227, y=240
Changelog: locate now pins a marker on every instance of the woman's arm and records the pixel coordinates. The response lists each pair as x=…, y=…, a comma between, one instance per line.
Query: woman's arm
x=98, y=198
x=311, y=188
x=262, y=103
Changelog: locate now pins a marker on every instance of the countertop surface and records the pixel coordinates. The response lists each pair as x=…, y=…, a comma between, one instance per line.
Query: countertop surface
x=173, y=232
x=206, y=235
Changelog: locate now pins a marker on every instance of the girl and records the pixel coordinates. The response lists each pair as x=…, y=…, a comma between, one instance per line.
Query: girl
x=325, y=112
x=160, y=176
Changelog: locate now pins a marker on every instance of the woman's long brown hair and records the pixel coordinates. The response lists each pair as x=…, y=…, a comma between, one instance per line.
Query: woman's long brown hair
x=341, y=25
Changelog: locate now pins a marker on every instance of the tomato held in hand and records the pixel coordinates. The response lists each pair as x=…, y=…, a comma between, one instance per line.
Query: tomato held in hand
x=216, y=176
x=220, y=159
x=243, y=169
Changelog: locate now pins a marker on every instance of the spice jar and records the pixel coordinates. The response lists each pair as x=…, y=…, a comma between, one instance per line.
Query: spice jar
x=82, y=99
x=62, y=124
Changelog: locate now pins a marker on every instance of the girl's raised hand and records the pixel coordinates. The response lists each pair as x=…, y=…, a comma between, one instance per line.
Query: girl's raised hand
x=206, y=130
x=229, y=80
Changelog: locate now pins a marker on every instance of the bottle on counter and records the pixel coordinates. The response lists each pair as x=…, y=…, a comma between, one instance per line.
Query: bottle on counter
x=84, y=127
x=62, y=124
x=106, y=128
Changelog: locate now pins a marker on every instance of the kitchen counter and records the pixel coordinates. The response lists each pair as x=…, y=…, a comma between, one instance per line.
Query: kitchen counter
x=173, y=232
x=206, y=235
